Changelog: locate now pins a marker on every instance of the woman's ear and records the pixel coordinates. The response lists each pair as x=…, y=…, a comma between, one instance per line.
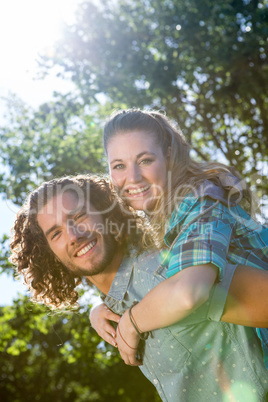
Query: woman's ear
x=168, y=162
x=168, y=152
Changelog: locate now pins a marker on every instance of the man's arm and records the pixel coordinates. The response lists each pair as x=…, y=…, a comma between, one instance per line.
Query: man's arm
x=100, y=318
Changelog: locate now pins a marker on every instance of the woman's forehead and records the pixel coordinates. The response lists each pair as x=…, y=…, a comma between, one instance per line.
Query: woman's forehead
x=133, y=140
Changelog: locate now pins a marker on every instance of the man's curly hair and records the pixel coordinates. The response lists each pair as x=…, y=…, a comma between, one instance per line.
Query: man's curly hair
x=47, y=278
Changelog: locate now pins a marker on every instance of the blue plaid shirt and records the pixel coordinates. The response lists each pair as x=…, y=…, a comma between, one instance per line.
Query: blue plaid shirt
x=224, y=234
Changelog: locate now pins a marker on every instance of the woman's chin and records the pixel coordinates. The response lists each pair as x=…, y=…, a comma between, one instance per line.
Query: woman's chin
x=146, y=205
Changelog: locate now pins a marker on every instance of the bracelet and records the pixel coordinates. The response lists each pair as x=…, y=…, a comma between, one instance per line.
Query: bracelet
x=142, y=335
x=124, y=339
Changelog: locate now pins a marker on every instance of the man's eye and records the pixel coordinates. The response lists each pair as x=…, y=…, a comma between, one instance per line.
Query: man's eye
x=55, y=234
x=81, y=215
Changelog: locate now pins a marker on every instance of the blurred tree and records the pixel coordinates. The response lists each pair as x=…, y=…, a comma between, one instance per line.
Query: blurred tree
x=60, y=138
x=205, y=63
x=5, y=265
x=46, y=356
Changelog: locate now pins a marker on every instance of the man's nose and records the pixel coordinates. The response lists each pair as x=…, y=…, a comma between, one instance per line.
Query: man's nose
x=74, y=234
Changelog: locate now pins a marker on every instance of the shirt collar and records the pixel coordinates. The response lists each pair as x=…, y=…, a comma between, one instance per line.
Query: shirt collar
x=121, y=280
x=229, y=193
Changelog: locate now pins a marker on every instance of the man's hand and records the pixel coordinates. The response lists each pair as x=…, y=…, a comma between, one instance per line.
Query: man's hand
x=127, y=341
x=100, y=317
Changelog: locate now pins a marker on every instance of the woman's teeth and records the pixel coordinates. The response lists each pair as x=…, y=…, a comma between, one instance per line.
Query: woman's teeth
x=138, y=190
x=86, y=249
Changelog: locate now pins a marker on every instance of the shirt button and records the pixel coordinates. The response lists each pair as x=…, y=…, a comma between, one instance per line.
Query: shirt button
x=155, y=381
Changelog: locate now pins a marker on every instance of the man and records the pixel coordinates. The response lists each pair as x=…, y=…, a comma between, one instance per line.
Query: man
x=75, y=227
x=51, y=271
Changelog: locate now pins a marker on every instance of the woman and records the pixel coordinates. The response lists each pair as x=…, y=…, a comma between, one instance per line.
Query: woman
x=195, y=207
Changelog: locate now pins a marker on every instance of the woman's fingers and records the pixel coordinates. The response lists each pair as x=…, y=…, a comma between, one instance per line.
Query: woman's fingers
x=130, y=359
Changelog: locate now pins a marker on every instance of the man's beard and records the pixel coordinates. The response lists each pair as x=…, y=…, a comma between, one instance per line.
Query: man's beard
x=110, y=249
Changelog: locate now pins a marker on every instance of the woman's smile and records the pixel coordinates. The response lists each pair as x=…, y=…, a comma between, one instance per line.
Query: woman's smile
x=137, y=191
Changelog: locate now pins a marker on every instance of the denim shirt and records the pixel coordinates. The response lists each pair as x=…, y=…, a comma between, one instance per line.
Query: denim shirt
x=198, y=358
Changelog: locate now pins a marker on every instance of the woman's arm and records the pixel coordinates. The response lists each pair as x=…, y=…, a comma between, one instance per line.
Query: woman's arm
x=167, y=303
x=175, y=298
x=170, y=301
x=246, y=304
x=247, y=300
x=178, y=296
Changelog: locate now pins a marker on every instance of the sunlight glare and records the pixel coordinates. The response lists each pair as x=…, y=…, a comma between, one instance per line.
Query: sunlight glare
x=29, y=26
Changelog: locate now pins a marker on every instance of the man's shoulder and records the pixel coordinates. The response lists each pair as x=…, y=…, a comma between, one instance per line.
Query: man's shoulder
x=148, y=259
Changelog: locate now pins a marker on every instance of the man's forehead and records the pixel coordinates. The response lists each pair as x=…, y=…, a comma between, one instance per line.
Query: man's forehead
x=74, y=200
x=68, y=202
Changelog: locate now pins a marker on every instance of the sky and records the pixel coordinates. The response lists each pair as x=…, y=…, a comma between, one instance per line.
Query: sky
x=26, y=28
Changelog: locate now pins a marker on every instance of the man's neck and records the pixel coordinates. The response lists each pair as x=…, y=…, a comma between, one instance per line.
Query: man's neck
x=103, y=281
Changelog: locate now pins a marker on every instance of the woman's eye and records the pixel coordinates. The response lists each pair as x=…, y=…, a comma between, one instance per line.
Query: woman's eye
x=119, y=166
x=146, y=161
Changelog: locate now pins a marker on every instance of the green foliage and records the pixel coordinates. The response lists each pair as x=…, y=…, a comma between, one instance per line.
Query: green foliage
x=49, y=356
x=204, y=63
x=60, y=138
x=5, y=265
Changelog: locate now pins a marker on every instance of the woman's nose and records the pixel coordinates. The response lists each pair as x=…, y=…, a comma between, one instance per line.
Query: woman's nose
x=133, y=174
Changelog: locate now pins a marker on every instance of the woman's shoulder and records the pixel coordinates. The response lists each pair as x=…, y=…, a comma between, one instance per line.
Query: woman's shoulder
x=208, y=200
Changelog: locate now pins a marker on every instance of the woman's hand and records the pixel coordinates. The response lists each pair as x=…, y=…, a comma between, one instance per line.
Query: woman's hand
x=100, y=317
x=127, y=341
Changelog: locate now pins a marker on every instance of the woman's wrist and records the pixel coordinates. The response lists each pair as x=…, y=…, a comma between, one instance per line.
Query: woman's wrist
x=127, y=325
x=142, y=335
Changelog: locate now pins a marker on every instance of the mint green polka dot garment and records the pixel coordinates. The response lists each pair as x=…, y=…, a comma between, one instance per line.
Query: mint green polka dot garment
x=197, y=359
